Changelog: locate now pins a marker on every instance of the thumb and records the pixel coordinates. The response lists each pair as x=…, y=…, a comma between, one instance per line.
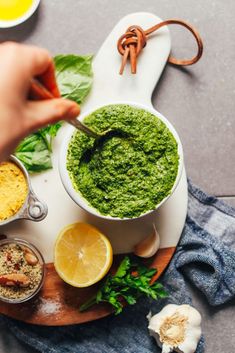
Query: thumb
x=46, y=112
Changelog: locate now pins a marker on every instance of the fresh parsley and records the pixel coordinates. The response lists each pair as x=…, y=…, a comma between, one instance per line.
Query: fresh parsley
x=131, y=280
x=74, y=78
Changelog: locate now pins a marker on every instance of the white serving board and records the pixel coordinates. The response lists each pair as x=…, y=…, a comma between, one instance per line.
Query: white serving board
x=109, y=86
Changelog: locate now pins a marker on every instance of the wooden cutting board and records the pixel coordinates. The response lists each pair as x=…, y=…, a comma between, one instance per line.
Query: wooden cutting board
x=57, y=302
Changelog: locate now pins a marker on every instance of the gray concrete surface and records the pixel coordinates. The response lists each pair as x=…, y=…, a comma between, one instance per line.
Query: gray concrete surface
x=199, y=101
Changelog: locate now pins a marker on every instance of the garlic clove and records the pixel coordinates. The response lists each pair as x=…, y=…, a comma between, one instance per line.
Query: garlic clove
x=149, y=246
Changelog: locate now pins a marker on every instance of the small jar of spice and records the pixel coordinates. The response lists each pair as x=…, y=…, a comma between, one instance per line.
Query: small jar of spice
x=22, y=270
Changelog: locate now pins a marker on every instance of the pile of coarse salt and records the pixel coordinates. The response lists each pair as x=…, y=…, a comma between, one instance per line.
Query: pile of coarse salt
x=48, y=306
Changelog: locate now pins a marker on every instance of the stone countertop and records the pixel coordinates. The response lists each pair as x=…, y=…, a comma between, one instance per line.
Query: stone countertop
x=199, y=101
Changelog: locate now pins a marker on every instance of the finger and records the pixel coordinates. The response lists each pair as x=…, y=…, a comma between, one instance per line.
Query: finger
x=38, y=91
x=32, y=61
x=47, y=112
x=39, y=59
x=48, y=79
x=42, y=66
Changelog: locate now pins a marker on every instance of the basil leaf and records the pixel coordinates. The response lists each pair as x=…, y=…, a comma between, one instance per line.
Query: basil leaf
x=48, y=133
x=74, y=76
x=34, y=154
x=51, y=130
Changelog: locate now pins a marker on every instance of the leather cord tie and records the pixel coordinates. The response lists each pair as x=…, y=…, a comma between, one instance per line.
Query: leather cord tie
x=134, y=40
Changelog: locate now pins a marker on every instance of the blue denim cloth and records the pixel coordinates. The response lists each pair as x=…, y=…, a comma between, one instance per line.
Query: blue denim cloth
x=205, y=255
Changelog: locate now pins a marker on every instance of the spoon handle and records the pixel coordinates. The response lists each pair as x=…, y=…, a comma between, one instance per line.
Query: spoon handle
x=39, y=92
x=77, y=123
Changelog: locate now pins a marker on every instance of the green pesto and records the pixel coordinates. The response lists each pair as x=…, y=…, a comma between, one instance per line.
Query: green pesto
x=125, y=175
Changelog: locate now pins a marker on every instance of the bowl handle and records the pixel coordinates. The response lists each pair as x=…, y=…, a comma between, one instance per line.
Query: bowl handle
x=36, y=210
x=109, y=86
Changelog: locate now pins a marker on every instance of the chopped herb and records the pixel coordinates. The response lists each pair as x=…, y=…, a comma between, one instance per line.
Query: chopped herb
x=131, y=280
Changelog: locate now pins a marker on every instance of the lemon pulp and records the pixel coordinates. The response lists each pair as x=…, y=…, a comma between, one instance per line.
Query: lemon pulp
x=13, y=9
x=82, y=255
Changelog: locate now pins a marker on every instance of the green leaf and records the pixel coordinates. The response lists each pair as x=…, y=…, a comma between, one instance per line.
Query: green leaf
x=74, y=76
x=99, y=296
x=35, y=161
x=150, y=273
x=48, y=133
x=123, y=267
x=130, y=299
x=35, y=150
x=127, y=286
x=51, y=129
x=157, y=285
x=116, y=304
x=92, y=301
x=34, y=154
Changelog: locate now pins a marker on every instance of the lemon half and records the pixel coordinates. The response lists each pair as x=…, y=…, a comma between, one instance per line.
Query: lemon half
x=82, y=255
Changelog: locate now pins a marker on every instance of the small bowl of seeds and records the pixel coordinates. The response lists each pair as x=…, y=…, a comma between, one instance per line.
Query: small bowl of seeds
x=22, y=270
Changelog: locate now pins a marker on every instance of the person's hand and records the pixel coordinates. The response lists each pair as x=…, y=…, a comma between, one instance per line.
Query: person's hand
x=20, y=116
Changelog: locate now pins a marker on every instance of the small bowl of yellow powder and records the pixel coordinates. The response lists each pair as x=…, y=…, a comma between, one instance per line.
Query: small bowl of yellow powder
x=17, y=199
x=14, y=12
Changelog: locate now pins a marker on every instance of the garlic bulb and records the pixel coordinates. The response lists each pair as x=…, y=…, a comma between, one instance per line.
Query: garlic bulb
x=149, y=246
x=176, y=328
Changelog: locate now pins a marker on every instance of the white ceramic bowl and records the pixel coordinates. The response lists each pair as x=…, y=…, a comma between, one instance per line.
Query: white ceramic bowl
x=23, y=18
x=77, y=197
